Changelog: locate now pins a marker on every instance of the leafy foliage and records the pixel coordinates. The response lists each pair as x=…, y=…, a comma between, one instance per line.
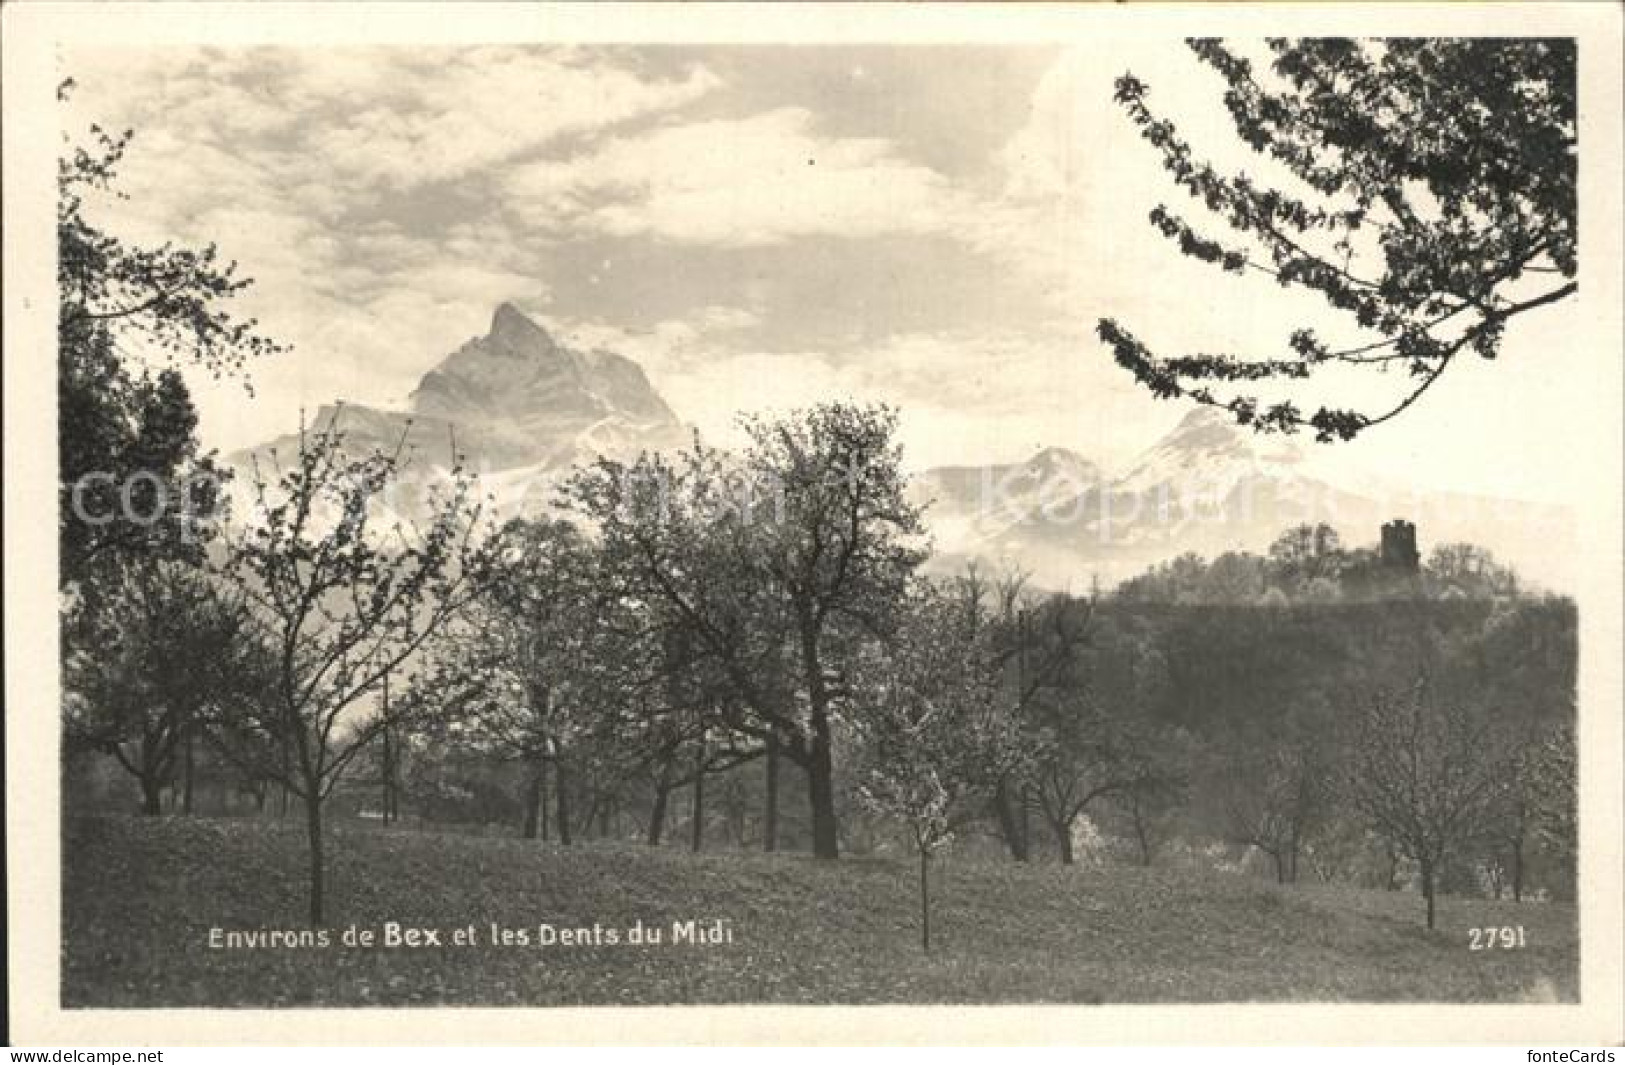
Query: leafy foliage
x=132, y=479
x=156, y=650
x=776, y=566
x=1435, y=190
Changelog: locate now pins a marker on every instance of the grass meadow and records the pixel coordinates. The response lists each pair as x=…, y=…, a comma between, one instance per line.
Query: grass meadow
x=141, y=897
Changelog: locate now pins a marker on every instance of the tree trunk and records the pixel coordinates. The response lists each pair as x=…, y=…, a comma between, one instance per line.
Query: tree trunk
x=1010, y=829
x=698, y=826
x=392, y=787
x=1517, y=870
x=561, y=792
x=821, y=794
x=287, y=774
x=1427, y=889
x=1280, y=865
x=657, y=816
x=534, y=800
x=313, y=828
x=1143, y=836
x=1063, y=838
x=925, y=900
x=1024, y=820
x=383, y=774
x=152, y=796
x=541, y=787
x=820, y=760
x=188, y=768
x=770, y=805
x=737, y=816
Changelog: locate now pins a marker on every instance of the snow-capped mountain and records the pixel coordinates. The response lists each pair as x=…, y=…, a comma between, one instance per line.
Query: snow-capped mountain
x=523, y=409
x=526, y=399
x=1208, y=486
x=968, y=505
x=1207, y=445
x=516, y=405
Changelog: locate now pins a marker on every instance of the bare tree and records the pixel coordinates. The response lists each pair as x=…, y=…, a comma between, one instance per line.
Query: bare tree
x=342, y=604
x=1087, y=753
x=1032, y=648
x=1427, y=776
x=1276, y=797
x=936, y=739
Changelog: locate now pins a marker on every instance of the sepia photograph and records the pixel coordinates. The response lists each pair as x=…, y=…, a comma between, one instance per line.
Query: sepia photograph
x=1116, y=510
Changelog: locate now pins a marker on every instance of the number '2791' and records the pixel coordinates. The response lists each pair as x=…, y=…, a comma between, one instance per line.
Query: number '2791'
x=1508, y=938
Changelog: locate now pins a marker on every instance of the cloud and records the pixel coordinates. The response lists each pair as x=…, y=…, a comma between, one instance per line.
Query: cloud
x=348, y=184
x=1076, y=186
x=761, y=179
x=392, y=117
x=997, y=393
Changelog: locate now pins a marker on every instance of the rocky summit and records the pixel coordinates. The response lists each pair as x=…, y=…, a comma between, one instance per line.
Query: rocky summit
x=512, y=399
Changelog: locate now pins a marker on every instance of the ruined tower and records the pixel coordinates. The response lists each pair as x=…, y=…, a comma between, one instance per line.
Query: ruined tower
x=1399, y=554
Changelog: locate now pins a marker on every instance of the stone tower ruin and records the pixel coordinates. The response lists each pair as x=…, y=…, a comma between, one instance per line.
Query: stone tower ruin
x=1399, y=554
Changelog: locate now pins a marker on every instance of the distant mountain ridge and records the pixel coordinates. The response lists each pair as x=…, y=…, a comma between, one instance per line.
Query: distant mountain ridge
x=523, y=409
x=1208, y=486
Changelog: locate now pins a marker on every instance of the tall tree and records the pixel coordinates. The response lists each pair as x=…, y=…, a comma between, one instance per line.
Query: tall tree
x=550, y=658
x=344, y=602
x=674, y=534
x=132, y=478
x=779, y=562
x=1305, y=553
x=1467, y=569
x=838, y=544
x=1554, y=789
x=1431, y=200
x=1034, y=641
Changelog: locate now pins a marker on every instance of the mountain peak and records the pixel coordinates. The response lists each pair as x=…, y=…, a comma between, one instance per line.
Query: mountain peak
x=1206, y=424
x=1064, y=464
x=512, y=329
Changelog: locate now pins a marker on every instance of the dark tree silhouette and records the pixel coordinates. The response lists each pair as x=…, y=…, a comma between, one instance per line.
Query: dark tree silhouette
x=1434, y=201
x=152, y=656
x=133, y=482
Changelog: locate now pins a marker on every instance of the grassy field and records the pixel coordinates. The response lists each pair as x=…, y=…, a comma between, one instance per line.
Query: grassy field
x=140, y=897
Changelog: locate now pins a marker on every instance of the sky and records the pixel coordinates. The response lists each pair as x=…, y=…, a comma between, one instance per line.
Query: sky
x=761, y=227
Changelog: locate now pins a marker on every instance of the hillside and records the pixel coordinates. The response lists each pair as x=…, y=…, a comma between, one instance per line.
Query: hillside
x=140, y=897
